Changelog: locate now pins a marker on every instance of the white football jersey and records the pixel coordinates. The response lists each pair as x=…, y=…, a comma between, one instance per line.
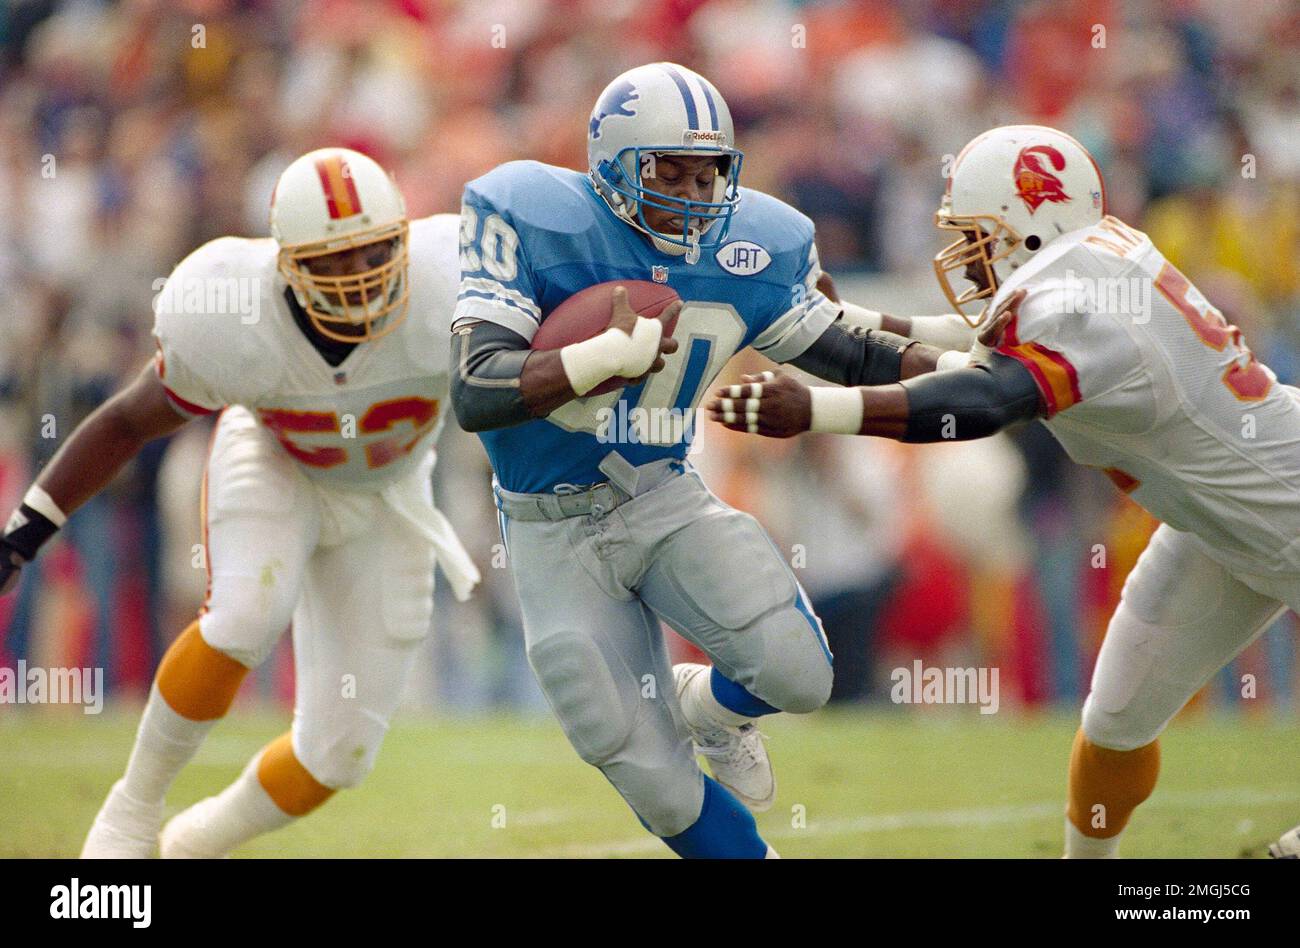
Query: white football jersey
x=226, y=336
x=1145, y=379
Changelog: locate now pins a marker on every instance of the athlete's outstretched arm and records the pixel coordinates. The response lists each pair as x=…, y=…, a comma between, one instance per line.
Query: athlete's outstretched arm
x=959, y=405
x=498, y=381
x=91, y=457
x=850, y=355
x=862, y=347
x=948, y=331
x=973, y=401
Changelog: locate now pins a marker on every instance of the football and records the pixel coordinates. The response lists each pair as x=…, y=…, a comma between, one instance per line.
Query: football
x=586, y=314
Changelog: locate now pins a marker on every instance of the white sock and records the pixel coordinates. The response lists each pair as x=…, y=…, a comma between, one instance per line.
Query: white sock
x=234, y=816
x=702, y=709
x=1078, y=846
x=164, y=743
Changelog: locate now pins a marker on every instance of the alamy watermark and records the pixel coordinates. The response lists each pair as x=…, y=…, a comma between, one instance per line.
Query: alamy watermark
x=1123, y=296
x=946, y=685
x=133, y=903
x=209, y=296
x=619, y=424
x=35, y=685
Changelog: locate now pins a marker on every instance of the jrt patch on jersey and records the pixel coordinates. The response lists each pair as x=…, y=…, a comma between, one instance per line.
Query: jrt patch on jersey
x=743, y=258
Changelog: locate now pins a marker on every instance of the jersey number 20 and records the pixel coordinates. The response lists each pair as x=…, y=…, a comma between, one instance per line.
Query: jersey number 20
x=708, y=334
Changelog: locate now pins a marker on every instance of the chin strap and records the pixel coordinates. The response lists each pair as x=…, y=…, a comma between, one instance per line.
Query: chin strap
x=691, y=252
x=626, y=211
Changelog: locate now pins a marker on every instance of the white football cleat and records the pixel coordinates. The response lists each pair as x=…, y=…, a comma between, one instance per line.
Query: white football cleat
x=736, y=755
x=187, y=835
x=124, y=828
x=1287, y=847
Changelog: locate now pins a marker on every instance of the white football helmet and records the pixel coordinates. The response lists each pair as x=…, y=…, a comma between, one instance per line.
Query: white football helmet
x=1012, y=191
x=336, y=199
x=664, y=109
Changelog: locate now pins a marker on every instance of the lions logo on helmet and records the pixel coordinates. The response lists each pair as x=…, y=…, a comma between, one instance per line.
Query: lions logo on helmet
x=664, y=109
x=612, y=102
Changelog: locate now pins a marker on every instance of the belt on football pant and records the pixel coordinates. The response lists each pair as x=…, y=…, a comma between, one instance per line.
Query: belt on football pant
x=596, y=500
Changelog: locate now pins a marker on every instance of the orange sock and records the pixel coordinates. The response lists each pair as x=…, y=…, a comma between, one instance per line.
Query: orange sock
x=286, y=780
x=196, y=680
x=1114, y=781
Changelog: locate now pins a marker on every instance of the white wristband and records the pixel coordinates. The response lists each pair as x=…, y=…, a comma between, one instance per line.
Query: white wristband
x=949, y=331
x=612, y=353
x=836, y=410
x=856, y=315
x=952, y=360
x=44, y=504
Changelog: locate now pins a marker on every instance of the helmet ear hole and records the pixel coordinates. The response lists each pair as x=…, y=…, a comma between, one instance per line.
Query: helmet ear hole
x=1033, y=242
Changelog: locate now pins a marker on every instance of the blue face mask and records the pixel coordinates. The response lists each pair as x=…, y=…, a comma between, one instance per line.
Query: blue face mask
x=697, y=216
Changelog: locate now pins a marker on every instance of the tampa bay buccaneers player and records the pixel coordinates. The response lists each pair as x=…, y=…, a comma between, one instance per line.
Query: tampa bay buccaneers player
x=326, y=350
x=1136, y=373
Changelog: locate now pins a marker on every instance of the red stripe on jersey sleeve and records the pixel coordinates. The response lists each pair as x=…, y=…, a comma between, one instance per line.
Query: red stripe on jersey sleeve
x=186, y=407
x=1054, y=374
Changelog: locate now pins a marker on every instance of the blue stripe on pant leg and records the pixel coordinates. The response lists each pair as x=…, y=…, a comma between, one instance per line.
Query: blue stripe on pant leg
x=735, y=697
x=801, y=603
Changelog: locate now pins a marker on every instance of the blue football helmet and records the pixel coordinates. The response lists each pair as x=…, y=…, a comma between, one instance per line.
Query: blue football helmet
x=664, y=109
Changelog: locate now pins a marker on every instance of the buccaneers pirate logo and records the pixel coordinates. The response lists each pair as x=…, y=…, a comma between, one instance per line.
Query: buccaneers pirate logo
x=1034, y=182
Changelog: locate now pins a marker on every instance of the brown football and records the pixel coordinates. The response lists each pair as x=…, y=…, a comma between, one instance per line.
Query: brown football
x=586, y=314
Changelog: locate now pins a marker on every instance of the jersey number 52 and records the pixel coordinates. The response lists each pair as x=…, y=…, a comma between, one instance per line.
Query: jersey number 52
x=379, y=417
x=1245, y=378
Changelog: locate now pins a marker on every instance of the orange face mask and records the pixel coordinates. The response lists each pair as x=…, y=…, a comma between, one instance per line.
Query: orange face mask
x=996, y=241
x=354, y=307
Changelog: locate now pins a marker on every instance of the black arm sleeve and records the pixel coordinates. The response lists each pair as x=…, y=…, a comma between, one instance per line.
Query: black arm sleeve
x=975, y=402
x=851, y=355
x=486, y=362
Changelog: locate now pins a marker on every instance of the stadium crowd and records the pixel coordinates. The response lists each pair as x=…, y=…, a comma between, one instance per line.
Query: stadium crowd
x=132, y=131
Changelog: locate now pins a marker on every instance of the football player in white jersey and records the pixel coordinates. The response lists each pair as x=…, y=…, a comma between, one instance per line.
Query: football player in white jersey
x=326, y=350
x=1135, y=373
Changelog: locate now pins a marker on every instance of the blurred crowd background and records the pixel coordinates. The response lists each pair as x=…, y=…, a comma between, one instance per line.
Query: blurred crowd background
x=132, y=131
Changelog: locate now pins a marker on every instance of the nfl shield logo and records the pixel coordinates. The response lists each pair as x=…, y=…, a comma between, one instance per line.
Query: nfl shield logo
x=659, y=274
x=340, y=378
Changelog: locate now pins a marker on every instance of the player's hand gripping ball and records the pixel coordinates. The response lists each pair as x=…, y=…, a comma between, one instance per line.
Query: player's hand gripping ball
x=591, y=311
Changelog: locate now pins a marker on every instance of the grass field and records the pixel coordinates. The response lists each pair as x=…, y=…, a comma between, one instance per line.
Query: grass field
x=870, y=784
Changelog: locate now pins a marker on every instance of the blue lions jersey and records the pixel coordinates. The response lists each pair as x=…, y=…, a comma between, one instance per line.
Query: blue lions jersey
x=533, y=235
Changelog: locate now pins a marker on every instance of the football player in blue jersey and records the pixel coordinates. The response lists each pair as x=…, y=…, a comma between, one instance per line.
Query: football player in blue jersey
x=608, y=528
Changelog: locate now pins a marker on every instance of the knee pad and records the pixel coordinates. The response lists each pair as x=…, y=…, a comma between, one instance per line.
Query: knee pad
x=575, y=675
x=1122, y=730
x=667, y=808
x=344, y=757
x=795, y=675
x=246, y=615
